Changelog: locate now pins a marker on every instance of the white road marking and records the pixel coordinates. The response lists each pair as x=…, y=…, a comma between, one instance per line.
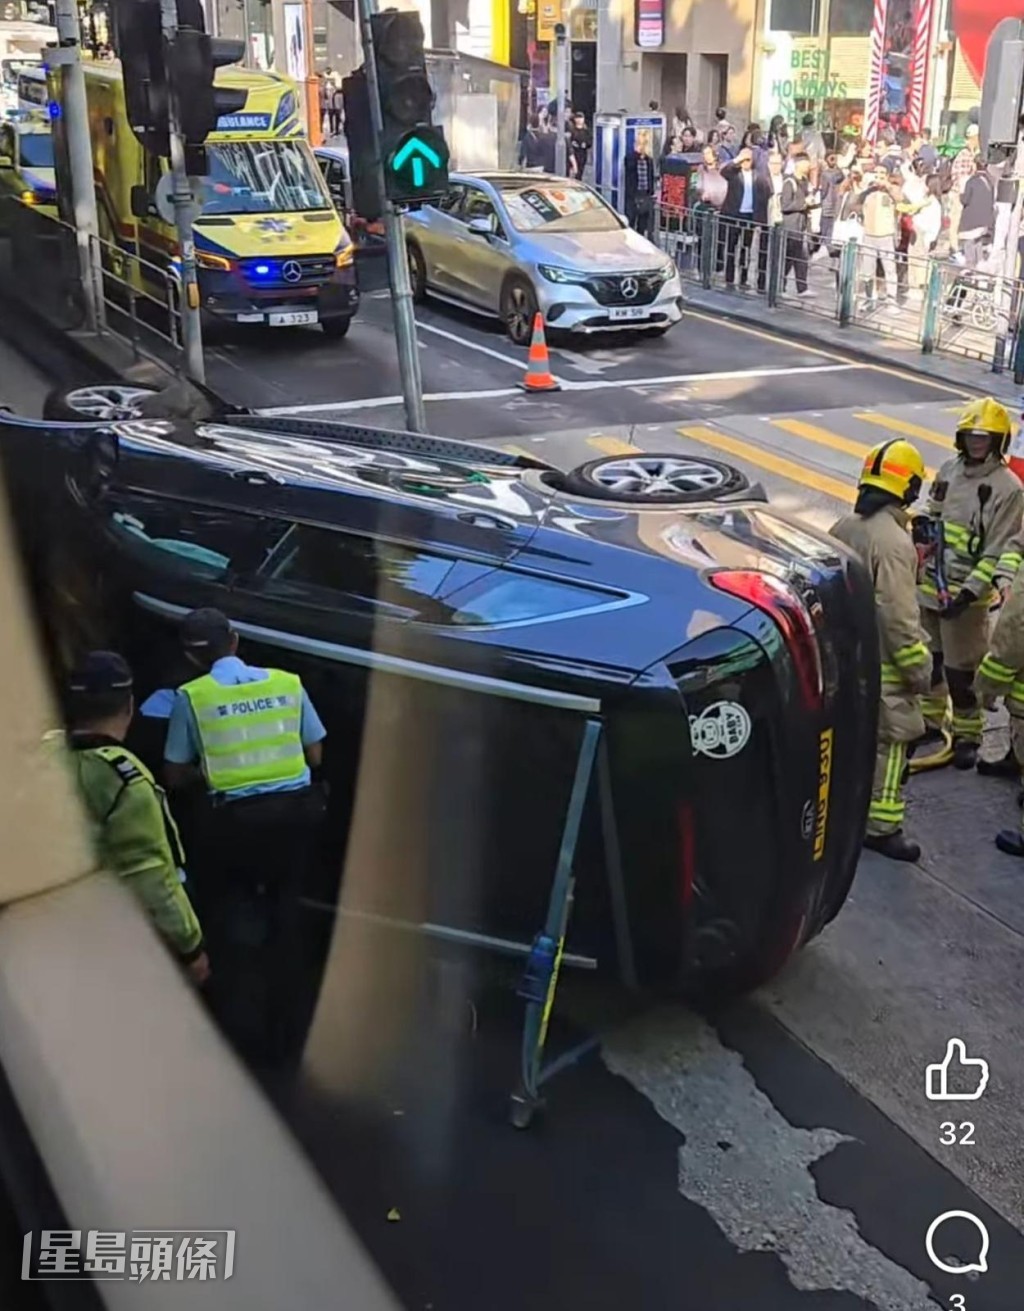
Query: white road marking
x=590, y=384
x=473, y=345
x=748, y=1167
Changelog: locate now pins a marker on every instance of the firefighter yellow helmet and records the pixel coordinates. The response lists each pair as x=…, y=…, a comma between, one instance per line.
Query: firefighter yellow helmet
x=895, y=467
x=987, y=417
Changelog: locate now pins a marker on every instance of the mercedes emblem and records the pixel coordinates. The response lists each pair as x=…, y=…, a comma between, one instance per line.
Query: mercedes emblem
x=291, y=270
x=630, y=287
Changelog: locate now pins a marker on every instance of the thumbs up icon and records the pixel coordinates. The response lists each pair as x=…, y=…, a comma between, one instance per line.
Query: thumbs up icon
x=967, y=1072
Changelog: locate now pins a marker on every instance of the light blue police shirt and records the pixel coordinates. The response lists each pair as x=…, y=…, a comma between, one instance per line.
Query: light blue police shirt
x=183, y=734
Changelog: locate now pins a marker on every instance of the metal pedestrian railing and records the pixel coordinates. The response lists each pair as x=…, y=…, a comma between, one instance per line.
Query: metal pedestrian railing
x=41, y=266
x=870, y=283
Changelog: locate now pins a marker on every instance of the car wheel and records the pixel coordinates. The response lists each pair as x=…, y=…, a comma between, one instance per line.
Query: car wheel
x=518, y=308
x=335, y=329
x=417, y=273
x=646, y=478
x=101, y=401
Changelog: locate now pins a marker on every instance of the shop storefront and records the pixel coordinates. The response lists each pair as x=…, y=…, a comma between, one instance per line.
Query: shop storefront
x=580, y=19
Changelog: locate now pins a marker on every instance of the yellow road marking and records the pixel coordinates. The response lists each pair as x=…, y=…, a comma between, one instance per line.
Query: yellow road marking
x=819, y=482
x=613, y=446
x=908, y=429
x=906, y=374
x=519, y=450
x=812, y=433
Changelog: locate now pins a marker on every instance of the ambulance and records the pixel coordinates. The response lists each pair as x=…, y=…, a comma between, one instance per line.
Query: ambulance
x=270, y=246
x=26, y=162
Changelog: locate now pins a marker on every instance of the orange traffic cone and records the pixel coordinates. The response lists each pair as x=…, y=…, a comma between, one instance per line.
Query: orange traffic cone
x=538, y=367
x=1017, y=452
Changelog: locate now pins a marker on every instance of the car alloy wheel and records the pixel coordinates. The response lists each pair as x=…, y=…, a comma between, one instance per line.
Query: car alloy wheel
x=520, y=309
x=106, y=401
x=659, y=475
x=417, y=272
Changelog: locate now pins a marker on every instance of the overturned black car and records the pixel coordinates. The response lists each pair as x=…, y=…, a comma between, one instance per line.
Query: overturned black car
x=457, y=615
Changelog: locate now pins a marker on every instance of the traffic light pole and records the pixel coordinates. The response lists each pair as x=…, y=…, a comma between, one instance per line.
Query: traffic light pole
x=562, y=66
x=191, y=326
x=83, y=188
x=398, y=263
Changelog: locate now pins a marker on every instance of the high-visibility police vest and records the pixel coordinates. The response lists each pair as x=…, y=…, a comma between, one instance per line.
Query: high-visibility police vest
x=249, y=733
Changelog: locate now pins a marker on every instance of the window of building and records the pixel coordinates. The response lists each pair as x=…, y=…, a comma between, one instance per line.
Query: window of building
x=799, y=16
x=851, y=17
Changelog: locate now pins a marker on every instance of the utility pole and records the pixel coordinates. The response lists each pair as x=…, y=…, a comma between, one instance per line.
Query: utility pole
x=75, y=121
x=561, y=91
x=398, y=263
x=184, y=208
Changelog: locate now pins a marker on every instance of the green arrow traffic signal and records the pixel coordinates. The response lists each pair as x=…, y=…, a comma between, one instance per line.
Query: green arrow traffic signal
x=415, y=152
x=417, y=166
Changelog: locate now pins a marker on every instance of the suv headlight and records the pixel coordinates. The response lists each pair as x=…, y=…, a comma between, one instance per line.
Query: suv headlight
x=667, y=270
x=554, y=274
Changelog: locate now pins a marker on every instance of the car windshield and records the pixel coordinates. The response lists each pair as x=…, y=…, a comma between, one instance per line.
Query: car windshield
x=261, y=177
x=35, y=150
x=561, y=208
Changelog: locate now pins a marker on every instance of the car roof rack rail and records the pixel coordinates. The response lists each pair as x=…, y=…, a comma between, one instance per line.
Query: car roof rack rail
x=439, y=448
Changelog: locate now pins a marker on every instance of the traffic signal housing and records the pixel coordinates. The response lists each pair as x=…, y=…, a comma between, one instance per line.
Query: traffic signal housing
x=189, y=66
x=362, y=151
x=413, y=150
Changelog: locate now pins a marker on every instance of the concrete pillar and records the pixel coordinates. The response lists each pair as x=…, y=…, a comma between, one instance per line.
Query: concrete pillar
x=618, y=63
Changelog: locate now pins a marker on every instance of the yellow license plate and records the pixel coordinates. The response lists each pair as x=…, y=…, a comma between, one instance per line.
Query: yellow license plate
x=825, y=744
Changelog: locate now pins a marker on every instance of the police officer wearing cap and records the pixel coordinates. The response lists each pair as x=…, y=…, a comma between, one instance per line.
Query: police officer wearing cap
x=253, y=736
x=135, y=833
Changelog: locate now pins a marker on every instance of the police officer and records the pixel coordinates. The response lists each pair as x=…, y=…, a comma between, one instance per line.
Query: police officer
x=135, y=833
x=1001, y=673
x=878, y=532
x=253, y=736
x=975, y=511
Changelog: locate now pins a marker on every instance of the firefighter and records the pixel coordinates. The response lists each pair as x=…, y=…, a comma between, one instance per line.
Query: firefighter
x=878, y=532
x=1001, y=673
x=974, y=517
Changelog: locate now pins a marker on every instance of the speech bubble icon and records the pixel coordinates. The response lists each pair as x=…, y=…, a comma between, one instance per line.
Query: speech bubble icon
x=980, y=1265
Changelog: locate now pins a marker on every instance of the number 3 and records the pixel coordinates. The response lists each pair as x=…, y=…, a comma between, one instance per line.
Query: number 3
x=957, y=1302
x=950, y=1138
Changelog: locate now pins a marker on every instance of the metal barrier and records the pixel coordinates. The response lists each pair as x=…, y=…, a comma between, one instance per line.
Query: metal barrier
x=939, y=305
x=42, y=267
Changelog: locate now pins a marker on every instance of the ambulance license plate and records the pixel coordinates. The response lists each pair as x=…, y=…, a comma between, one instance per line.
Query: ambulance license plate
x=289, y=317
x=627, y=312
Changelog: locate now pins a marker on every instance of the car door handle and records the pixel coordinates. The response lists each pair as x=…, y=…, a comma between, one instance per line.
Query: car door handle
x=480, y=520
x=257, y=477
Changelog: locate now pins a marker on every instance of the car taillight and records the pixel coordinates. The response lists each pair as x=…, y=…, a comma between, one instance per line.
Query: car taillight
x=791, y=617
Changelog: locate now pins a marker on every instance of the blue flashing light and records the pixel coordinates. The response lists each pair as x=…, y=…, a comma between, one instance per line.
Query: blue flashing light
x=262, y=270
x=54, y=110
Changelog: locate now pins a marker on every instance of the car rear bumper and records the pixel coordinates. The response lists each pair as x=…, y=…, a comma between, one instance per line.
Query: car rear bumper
x=570, y=308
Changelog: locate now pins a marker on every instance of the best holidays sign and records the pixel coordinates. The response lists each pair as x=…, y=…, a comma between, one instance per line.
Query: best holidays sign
x=807, y=77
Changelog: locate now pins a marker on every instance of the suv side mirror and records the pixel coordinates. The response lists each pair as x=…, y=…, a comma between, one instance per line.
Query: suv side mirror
x=481, y=227
x=141, y=205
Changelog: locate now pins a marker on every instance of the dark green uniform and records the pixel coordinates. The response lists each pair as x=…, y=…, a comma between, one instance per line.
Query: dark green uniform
x=136, y=836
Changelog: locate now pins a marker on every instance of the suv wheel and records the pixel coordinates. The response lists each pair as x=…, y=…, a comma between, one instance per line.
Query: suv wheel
x=417, y=273
x=647, y=478
x=518, y=307
x=99, y=402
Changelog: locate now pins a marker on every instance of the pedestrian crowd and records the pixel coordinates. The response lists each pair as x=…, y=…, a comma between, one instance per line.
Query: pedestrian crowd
x=899, y=199
x=538, y=146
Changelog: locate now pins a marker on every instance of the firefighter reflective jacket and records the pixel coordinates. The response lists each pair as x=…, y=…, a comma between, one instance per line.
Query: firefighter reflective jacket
x=1001, y=672
x=883, y=543
x=979, y=507
x=136, y=836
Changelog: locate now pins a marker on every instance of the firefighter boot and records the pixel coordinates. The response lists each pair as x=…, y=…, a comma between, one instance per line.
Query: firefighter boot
x=967, y=720
x=897, y=846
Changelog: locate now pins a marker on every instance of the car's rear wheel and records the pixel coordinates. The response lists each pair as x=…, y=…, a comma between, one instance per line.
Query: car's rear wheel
x=335, y=329
x=417, y=273
x=100, y=401
x=518, y=308
x=647, y=478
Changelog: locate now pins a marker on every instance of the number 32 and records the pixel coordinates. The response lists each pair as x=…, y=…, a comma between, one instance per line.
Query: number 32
x=962, y=1134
